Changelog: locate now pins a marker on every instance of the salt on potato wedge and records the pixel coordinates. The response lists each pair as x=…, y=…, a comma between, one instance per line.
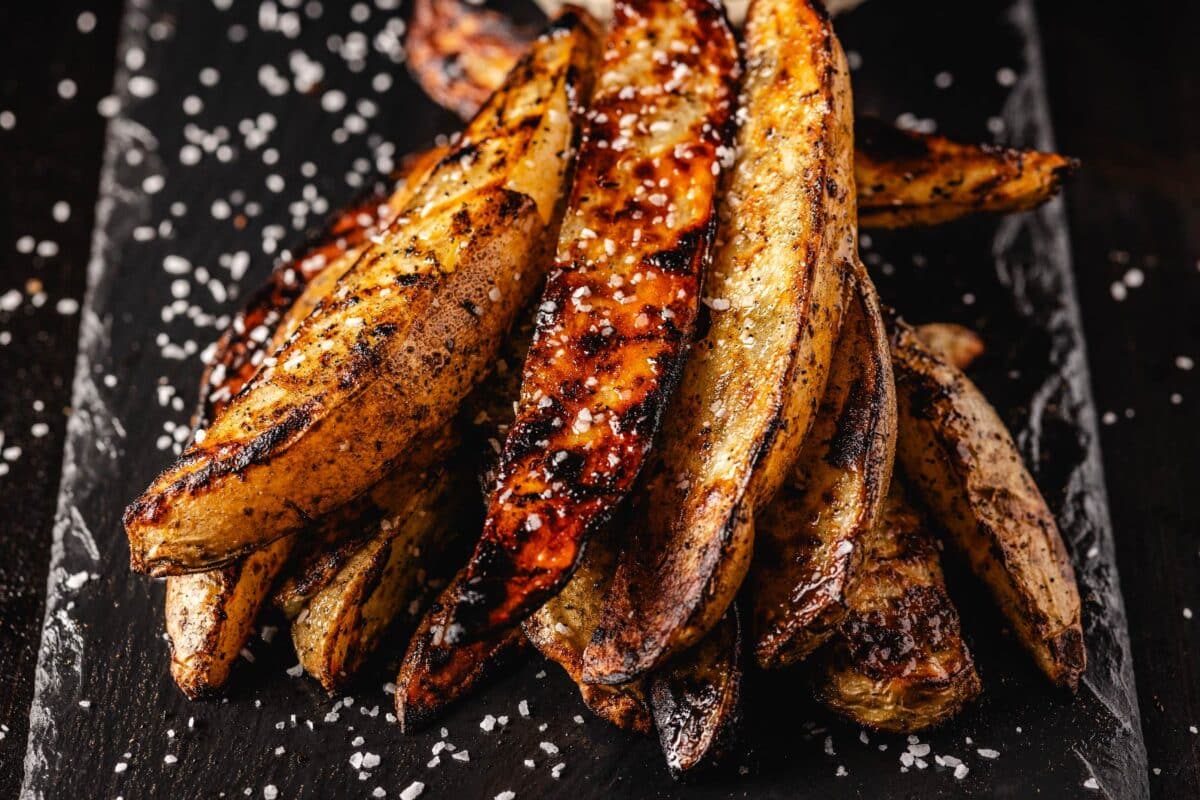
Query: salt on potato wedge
x=408, y=331
x=752, y=384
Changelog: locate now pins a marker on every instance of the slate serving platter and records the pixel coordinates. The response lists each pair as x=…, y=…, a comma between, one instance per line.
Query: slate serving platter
x=228, y=145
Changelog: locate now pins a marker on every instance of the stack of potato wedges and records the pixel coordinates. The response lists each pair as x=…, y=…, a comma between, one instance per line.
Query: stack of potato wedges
x=624, y=310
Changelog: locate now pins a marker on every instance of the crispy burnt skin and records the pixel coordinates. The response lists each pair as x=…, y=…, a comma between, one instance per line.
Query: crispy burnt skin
x=904, y=178
x=907, y=178
x=619, y=307
x=807, y=548
x=460, y=53
x=964, y=465
x=562, y=628
x=753, y=383
x=696, y=699
x=406, y=334
x=433, y=676
x=898, y=662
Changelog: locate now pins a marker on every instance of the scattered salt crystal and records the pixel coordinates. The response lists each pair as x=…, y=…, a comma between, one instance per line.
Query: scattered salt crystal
x=961, y=771
x=523, y=708
x=549, y=748
x=1091, y=783
x=270, y=792
x=507, y=794
x=488, y=723
x=413, y=791
x=987, y=752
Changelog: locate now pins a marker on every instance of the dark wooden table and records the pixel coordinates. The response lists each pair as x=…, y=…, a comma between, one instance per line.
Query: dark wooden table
x=1125, y=98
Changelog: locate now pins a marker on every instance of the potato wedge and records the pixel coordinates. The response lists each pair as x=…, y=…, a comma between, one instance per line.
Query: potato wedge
x=964, y=465
x=460, y=53
x=410, y=329
x=562, y=628
x=736, y=9
x=907, y=179
x=342, y=623
x=957, y=344
x=752, y=385
x=807, y=549
x=211, y=614
x=899, y=662
x=433, y=676
x=618, y=310
x=696, y=699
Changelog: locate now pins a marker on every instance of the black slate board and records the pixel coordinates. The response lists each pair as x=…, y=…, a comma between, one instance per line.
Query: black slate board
x=102, y=643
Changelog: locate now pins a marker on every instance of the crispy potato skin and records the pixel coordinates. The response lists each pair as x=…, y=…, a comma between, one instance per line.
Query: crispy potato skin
x=965, y=467
x=210, y=615
x=907, y=179
x=899, y=662
x=342, y=623
x=433, y=676
x=461, y=53
x=808, y=547
x=619, y=307
x=387, y=359
x=696, y=699
x=562, y=628
x=753, y=383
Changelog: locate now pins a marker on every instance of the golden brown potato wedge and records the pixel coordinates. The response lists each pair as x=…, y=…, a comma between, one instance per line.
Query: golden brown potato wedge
x=957, y=344
x=562, y=628
x=899, y=662
x=753, y=383
x=619, y=308
x=907, y=178
x=342, y=623
x=964, y=465
x=807, y=548
x=433, y=675
x=210, y=616
x=408, y=331
x=696, y=698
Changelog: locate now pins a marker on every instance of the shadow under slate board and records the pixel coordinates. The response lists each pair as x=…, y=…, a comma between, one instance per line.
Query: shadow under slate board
x=247, y=125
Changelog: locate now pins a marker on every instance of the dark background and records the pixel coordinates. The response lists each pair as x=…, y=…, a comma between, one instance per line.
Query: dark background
x=1124, y=96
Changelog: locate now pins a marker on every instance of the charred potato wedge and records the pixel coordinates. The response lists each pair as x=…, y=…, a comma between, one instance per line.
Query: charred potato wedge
x=899, y=662
x=433, y=675
x=619, y=308
x=696, y=699
x=907, y=179
x=562, y=628
x=370, y=372
x=807, y=550
x=342, y=623
x=753, y=383
x=965, y=467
